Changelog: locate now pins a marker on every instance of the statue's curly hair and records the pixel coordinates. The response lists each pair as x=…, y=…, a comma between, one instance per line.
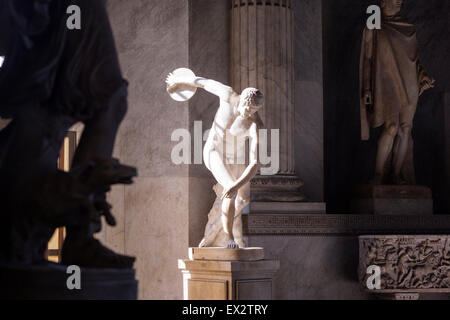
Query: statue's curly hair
x=252, y=97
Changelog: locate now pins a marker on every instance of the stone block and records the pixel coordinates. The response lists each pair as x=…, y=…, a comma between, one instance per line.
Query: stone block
x=393, y=200
x=227, y=279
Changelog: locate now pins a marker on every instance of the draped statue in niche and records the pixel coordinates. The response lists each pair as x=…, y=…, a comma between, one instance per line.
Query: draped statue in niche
x=391, y=81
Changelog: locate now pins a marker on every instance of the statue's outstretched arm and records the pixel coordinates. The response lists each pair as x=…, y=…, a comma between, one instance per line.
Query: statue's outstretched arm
x=215, y=87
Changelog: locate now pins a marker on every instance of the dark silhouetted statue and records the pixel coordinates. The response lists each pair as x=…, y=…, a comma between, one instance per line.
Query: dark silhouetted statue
x=52, y=78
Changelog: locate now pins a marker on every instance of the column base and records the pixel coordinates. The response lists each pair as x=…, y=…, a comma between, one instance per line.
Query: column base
x=278, y=188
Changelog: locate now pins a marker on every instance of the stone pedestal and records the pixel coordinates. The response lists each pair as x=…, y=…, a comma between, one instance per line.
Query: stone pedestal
x=235, y=274
x=403, y=267
x=49, y=282
x=393, y=200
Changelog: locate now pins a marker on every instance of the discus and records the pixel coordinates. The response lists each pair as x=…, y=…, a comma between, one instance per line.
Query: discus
x=183, y=92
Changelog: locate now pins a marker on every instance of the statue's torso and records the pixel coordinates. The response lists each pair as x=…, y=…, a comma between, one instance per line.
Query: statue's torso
x=229, y=130
x=396, y=62
x=395, y=84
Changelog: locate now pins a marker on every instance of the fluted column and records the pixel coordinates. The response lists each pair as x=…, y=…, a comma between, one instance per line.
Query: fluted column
x=262, y=57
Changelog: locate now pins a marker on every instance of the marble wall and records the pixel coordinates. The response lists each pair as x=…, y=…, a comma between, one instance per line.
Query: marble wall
x=209, y=57
x=151, y=38
x=166, y=210
x=431, y=18
x=309, y=139
x=318, y=268
x=313, y=267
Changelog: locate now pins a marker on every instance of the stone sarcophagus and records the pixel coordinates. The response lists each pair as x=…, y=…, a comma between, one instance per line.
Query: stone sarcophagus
x=403, y=265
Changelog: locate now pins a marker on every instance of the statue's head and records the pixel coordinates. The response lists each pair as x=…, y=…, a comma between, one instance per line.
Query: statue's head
x=391, y=7
x=251, y=101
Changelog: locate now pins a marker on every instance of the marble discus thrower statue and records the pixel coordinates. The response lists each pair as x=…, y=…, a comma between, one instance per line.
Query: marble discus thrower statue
x=52, y=78
x=236, y=118
x=391, y=81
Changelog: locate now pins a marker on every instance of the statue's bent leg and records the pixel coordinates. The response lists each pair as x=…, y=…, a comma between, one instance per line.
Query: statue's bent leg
x=228, y=212
x=225, y=178
x=219, y=170
x=385, y=145
x=241, y=201
x=402, y=145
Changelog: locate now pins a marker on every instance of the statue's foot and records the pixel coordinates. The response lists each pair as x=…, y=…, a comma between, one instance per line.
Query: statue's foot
x=91, y=253
x=399, y=181
x=240, y=243
x=231, y=244
x=377, y=180
x=202, y=243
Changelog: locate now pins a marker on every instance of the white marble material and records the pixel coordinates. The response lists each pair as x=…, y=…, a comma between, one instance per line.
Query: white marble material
x=224, y=153
x=309, y=106
x=151, y=38
x=313, y=267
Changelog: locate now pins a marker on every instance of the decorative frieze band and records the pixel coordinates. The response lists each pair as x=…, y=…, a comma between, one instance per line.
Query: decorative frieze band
x=345, y=224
